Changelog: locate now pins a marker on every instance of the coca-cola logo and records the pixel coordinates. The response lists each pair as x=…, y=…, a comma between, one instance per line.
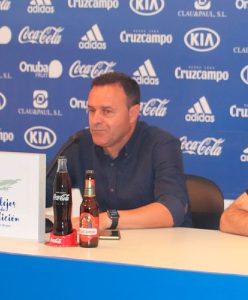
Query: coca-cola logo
x=61, y=197
x=49, y=35
x=154, y=107
x=78, y=69
x=209, y=146
x=56, y=240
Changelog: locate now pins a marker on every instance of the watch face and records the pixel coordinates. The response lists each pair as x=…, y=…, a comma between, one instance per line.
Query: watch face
x=113, y=213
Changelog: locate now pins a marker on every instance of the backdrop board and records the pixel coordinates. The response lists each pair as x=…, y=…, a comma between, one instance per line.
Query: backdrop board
x=189, y=57
x=22, y=195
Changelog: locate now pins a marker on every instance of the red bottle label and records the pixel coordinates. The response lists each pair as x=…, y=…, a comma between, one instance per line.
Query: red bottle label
x=89, y=227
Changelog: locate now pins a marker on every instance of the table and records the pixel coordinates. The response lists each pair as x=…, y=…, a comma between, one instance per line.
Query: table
x=149, y=263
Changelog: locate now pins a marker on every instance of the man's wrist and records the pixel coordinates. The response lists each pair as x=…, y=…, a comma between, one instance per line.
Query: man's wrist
x=114, y=218
x=104, y=222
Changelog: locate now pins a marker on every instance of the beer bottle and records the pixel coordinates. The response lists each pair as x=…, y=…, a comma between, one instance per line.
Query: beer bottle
x=89, y=214
x=62, y=200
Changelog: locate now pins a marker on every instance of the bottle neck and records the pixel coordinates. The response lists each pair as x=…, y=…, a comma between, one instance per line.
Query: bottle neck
x=62, y=165
x=89, y=193
x=89, y=189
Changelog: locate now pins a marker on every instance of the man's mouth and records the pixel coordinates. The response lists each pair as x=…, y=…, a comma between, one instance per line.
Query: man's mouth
x=97, y=130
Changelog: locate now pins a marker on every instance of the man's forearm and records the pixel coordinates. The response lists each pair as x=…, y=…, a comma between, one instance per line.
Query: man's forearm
x=235, y=218
x=153, y=215
x=234, y=221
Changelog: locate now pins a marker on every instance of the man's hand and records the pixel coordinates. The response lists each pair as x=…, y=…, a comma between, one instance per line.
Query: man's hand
x=242, y=202
x=104, y=221
x=234, y=219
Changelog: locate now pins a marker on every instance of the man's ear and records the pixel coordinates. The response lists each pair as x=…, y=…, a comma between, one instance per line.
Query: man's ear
x=134, y=113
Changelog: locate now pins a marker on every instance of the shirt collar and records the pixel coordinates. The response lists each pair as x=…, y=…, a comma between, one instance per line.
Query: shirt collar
x=129, y=145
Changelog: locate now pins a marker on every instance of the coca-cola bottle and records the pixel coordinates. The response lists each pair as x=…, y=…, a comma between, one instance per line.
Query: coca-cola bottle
x=62, y=200
x=89, y=214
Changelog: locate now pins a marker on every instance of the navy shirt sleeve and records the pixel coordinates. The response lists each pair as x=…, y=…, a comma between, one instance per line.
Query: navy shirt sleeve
x=169, y=179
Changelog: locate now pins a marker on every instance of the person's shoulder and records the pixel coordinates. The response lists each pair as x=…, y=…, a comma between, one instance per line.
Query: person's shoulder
x=84, y=136
x=82, y=139
x=155, y=133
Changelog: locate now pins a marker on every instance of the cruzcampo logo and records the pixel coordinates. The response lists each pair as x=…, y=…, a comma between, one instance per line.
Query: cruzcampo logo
x=7, y=184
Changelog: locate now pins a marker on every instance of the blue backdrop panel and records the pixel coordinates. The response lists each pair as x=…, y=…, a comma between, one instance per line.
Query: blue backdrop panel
x=189, y=57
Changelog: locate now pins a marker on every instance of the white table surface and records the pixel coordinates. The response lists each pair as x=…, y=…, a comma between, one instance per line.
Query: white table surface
x=174, y=248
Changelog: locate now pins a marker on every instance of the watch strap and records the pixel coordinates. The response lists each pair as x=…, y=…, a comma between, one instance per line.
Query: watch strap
x=114, y=219
x=114, y=223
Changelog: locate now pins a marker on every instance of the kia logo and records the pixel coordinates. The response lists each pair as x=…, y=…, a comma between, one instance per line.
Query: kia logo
x=40, y=137
x=202, y=39
x=244, y=74
x=146, y=7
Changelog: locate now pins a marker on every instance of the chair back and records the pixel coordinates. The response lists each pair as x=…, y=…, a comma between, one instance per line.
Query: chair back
x=206, y=200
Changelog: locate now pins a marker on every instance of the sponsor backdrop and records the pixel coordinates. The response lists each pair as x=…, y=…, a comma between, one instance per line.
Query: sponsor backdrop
x=189, y=57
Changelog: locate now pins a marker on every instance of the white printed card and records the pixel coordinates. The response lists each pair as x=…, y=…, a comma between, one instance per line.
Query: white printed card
x=22, y=195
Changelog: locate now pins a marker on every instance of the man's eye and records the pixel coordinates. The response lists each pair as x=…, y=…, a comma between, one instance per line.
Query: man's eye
x=107, y=111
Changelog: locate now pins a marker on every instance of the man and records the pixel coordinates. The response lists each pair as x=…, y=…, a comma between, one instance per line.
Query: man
x=138, y=168
x=234, y=219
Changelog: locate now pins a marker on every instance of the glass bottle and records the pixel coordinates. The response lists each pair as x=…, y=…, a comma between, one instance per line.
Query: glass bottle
x=62, y=199
x=89, y=214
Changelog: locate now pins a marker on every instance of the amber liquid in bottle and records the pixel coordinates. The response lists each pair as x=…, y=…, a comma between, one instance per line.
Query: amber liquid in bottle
x=89, y=214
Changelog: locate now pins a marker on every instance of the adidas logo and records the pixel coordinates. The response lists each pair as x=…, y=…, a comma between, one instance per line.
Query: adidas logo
x=244, y=155
x=5, y=5
x=146, y=74
x=200, y=112
x=40, y=7
x=93, y=39
x=40, y=2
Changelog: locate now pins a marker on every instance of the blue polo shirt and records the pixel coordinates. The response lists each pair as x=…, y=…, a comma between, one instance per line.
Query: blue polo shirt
x=148, y=169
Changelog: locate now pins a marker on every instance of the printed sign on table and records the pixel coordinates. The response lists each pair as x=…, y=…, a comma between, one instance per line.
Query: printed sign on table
x=22, y=195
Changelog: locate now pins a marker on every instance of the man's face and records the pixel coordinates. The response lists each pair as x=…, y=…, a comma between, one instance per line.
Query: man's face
x=109, y=116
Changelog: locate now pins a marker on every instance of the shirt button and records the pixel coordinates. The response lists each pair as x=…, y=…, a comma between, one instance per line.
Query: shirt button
x=112, y=190
x=112, y=164
x=126, y=154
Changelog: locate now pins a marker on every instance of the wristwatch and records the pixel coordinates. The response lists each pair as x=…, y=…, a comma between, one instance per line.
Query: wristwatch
x=114, y=216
